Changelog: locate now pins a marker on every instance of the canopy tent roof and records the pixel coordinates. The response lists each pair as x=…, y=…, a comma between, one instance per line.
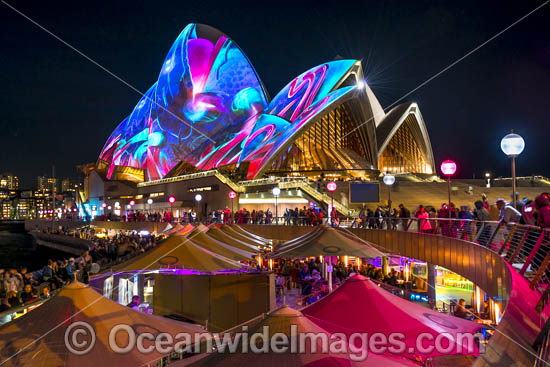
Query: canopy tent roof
x=176, y=229
x=251, y=235
x=359, y=305
x=167, y=229
x=180, y=252
x=222, y=236
x=40, y=334
x=204, y=240
x=232, y=231
x=281, y=321
x=326, y=241
x=188, y=228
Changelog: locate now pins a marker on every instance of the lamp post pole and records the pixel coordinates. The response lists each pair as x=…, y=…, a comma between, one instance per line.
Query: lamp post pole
x=171, y=200
x=276, y=209
x=449, y=194
x=331, y=186
x=232, y=196
x=514, y=181
x=448, y=168
x=276, y=192
x=512, y=145
x=198, y=199
x=150, y=202
x=53, y=197
x=389, y=180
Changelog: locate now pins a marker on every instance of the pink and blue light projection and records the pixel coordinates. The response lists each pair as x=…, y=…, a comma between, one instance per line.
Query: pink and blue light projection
x=205, y=91
x=209, y=108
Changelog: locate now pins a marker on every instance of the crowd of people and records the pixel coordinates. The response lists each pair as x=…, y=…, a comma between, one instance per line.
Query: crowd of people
x=140, y=216
x=20, y=287
x=526, y=211
x=307, y=276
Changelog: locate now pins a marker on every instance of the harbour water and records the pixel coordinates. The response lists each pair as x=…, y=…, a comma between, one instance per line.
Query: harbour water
x=17, y=249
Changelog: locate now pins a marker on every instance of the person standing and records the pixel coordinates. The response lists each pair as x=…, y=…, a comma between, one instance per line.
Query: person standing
x=424, y=223
x=404, y=215
x=481, y=216
x=507, y=213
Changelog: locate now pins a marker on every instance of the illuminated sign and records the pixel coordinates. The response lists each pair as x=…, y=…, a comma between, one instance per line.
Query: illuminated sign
x=204, y=188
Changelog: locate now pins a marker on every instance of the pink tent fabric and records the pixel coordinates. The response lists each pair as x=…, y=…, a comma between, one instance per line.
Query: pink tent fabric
x=178, y=227
x=281, y=321
x=359, y=305
x=186, y=230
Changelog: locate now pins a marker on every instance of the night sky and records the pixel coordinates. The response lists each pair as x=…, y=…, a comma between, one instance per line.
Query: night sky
x=60, y=108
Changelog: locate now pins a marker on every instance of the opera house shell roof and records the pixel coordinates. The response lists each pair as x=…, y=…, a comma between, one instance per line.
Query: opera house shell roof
x=209, y=109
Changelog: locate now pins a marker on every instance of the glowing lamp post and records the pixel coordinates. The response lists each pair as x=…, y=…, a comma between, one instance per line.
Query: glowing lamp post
x=448, y=168
x=132, y=203
x=198, y=199
x=232, y=196
x=150, y=202
x=389, y=180
x=331, y=187
x=276, y=192
x=512, y=145
x=172, y=200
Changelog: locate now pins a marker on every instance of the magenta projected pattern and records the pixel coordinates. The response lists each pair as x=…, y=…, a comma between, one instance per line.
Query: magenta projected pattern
x=209, y=108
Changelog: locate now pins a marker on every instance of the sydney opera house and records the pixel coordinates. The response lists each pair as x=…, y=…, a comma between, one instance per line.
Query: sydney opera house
x=209, y=110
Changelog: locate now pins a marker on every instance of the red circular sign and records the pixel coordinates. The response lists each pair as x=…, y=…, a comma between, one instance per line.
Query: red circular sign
x=448, y=167
x=232, y=195
x=331, y=186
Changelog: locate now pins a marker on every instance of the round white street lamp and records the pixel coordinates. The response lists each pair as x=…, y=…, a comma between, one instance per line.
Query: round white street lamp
x=389, y=180
x=512, y=145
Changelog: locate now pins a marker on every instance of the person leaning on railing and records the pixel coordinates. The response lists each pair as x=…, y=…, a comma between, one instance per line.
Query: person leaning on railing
x=481, y=214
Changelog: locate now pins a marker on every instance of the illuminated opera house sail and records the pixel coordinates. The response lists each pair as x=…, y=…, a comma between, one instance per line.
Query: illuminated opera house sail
x=209, y=109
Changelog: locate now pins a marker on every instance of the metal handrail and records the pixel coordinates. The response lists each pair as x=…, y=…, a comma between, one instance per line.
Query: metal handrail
x=542, y=346
x=319, y=196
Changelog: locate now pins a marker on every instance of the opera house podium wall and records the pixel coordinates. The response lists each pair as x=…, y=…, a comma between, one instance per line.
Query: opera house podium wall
x=511, y=345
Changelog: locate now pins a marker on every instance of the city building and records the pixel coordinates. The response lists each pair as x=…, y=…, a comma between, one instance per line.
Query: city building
x=68, y=185
x=45, y=183
x=9, y=181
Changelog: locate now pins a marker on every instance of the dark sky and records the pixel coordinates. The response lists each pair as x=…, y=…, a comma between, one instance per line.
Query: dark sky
x=59, y=108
